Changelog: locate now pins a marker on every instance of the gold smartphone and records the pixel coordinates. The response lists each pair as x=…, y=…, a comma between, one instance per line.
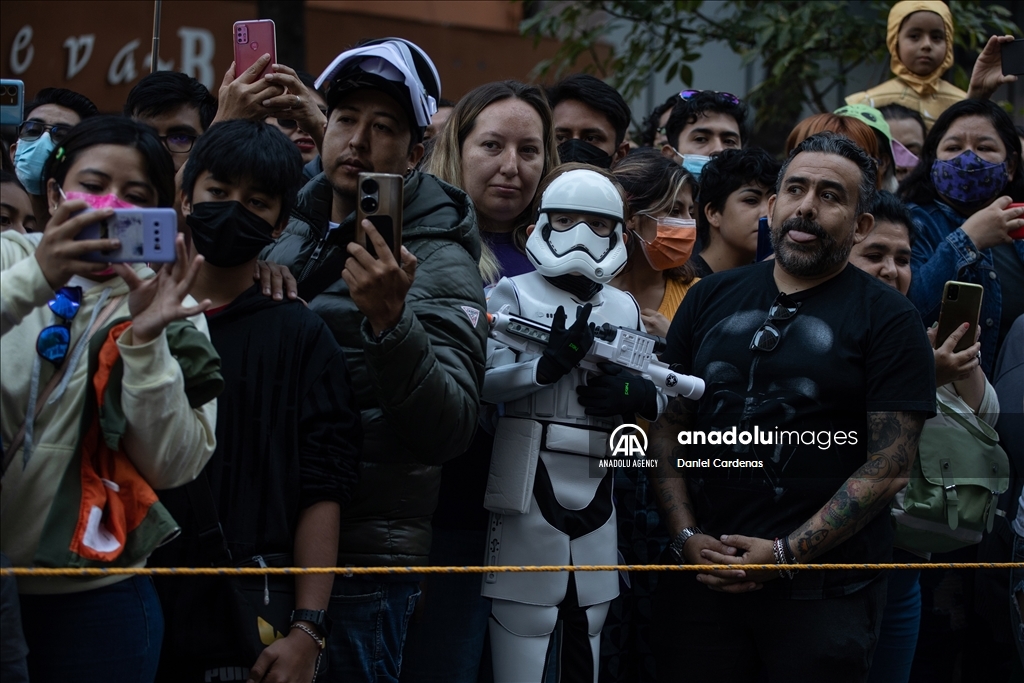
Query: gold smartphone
x=380, y=200
x=961, y=303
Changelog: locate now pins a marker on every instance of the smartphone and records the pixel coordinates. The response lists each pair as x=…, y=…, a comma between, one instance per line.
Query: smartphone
x=1013, y=57
x=380, y=200
x=147, y=236
x=1017, y=234
x=12, y=102
x=253, y=39
x=764, y=240
x=961, y=303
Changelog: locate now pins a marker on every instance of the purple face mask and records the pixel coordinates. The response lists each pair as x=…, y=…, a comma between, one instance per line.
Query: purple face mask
x=969, y=179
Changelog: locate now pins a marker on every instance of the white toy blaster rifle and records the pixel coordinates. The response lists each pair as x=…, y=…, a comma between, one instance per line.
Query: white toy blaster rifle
x=631, y=349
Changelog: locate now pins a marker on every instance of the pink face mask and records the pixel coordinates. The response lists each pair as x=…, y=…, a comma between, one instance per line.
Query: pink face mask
x=96, y=202
x=100, y=201
x=903, y=157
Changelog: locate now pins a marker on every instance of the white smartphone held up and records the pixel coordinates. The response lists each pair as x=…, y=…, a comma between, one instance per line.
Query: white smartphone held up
x=146, y=235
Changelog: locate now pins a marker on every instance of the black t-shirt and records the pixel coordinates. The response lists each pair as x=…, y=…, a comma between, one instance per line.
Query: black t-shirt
x=700, y=266
x=854, y=346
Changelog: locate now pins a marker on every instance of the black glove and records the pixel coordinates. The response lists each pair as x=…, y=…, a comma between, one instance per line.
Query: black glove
x=618, y=392
x=566, y=347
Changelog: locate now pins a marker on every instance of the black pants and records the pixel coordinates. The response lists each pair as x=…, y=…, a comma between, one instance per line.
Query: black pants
x=706, y=635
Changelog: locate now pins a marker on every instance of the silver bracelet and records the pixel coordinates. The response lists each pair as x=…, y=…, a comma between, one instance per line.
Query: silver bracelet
x=779, y=550
x=321, y=643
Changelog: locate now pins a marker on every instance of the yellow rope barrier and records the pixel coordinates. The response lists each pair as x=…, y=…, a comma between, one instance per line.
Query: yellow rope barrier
x=349, y=571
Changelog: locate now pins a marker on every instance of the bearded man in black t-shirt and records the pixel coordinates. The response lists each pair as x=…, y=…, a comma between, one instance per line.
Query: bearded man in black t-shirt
x=819, y=379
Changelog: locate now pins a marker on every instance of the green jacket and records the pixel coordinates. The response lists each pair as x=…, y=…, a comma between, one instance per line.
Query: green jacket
x=418, y=389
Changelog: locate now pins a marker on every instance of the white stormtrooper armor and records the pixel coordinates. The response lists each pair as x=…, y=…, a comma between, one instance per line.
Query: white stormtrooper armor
x=571, y=518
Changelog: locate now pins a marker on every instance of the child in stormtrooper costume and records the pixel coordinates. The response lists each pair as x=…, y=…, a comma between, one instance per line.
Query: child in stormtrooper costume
x=557, y=507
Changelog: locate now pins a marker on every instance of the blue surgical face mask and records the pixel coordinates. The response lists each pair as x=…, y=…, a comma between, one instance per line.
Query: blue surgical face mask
x=692, y=163
x=29, y=158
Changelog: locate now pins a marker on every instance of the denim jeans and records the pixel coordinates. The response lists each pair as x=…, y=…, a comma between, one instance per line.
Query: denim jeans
x=13, y=650
x=370, y=619
x=446, y=638
x=107, y=635
x=1017, y=586
x=901, y=622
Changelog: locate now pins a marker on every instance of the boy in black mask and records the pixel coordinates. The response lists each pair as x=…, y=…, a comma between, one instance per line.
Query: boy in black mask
x=590, y=119
x=288, y=434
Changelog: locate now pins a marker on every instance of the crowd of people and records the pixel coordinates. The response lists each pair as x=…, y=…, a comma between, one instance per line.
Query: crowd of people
x=300, y=386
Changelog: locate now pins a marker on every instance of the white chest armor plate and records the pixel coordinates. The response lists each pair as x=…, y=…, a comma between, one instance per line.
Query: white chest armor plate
x=511, y=380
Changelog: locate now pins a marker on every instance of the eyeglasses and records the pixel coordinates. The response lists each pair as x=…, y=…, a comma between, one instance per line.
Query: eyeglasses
x=768, y=335
x=723, y=97
x=53, y=341
x=33, y=130
x=178, y=142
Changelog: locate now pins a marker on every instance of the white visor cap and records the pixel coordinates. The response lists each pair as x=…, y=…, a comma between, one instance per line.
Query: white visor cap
x=392, y=61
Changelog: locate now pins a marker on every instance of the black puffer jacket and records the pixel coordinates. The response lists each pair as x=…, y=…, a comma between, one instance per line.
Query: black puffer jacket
x=419, y=388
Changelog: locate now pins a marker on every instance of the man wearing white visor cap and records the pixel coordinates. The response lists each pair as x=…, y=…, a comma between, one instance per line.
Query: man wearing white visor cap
x=413, y=329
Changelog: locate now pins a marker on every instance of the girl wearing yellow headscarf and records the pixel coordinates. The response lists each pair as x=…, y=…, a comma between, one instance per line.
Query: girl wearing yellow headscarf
x=920, y=40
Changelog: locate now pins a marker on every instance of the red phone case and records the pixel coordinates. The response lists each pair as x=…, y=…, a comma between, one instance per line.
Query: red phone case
x=252, y=40
x=1017, y=234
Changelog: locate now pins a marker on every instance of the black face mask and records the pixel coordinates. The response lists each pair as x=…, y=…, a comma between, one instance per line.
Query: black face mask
x=584, y=153
x=227, y=234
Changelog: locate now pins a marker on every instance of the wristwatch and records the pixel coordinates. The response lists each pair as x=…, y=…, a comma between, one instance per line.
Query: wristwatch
x=676, y=546
x=318, y=618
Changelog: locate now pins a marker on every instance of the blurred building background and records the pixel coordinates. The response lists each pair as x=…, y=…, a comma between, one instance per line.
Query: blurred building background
x=101, y=47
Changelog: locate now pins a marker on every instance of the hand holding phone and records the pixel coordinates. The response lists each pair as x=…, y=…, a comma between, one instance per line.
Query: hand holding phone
x=961, y=303
x=143, y=236
x=60, y=252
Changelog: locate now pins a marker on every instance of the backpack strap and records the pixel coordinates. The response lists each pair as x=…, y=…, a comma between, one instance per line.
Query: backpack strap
x=59, y=377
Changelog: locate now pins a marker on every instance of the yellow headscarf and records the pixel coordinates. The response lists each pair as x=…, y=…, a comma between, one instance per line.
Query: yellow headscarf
x=922, y=85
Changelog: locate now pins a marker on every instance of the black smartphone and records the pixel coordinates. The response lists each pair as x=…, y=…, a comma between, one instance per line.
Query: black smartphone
x=1013, y=57
x=764, y=240
x=381, y=197
x=961, y=303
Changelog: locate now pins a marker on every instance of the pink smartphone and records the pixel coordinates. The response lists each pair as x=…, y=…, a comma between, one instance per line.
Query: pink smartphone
x=253, y=39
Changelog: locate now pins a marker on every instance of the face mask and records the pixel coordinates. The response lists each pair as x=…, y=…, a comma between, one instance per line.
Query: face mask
x=29, y=159
x=99, y=201
x=969, y=179
x=584, y=153
x=903, y=157
x=227, y=234
x=673, y=243
x=694, y=164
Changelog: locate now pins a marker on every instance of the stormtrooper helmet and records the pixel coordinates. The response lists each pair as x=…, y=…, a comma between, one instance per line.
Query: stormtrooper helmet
x=564, y=242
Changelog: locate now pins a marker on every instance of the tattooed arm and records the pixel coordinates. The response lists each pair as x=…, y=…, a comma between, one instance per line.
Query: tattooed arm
x=892, y=447
x=670, y=486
